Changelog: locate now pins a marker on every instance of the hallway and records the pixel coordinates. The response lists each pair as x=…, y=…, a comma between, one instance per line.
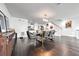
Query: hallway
x=66, y=46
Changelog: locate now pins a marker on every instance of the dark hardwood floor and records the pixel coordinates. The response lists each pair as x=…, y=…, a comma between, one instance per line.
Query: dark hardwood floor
x=61, y=46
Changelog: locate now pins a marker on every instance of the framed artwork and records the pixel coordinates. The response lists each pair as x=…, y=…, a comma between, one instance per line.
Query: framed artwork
x=68, y=24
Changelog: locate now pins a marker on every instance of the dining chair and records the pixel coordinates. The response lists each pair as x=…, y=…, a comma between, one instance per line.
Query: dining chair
x=31, y=37
x=49, y=35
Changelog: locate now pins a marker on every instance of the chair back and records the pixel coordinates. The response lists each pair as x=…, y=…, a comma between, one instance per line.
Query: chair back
x=31, y=35
x=52, y=32
x=46, y=33
x=28, y=34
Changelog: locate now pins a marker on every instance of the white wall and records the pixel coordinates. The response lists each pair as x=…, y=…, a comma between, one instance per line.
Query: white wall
x=67, y=31
x=4, y=9
x=20, y=25
x=70, y=31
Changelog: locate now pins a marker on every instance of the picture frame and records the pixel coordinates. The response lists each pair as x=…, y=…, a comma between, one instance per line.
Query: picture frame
x=68, y=24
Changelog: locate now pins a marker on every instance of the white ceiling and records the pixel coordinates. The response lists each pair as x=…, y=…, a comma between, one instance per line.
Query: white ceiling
x=35, y=11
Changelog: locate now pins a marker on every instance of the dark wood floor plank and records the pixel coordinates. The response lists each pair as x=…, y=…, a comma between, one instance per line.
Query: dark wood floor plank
x=66, y=46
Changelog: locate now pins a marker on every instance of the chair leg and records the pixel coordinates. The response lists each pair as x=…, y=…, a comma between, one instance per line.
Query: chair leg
x=51, y=39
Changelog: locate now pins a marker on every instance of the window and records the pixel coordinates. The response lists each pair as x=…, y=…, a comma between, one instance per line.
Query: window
x=4, y=22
